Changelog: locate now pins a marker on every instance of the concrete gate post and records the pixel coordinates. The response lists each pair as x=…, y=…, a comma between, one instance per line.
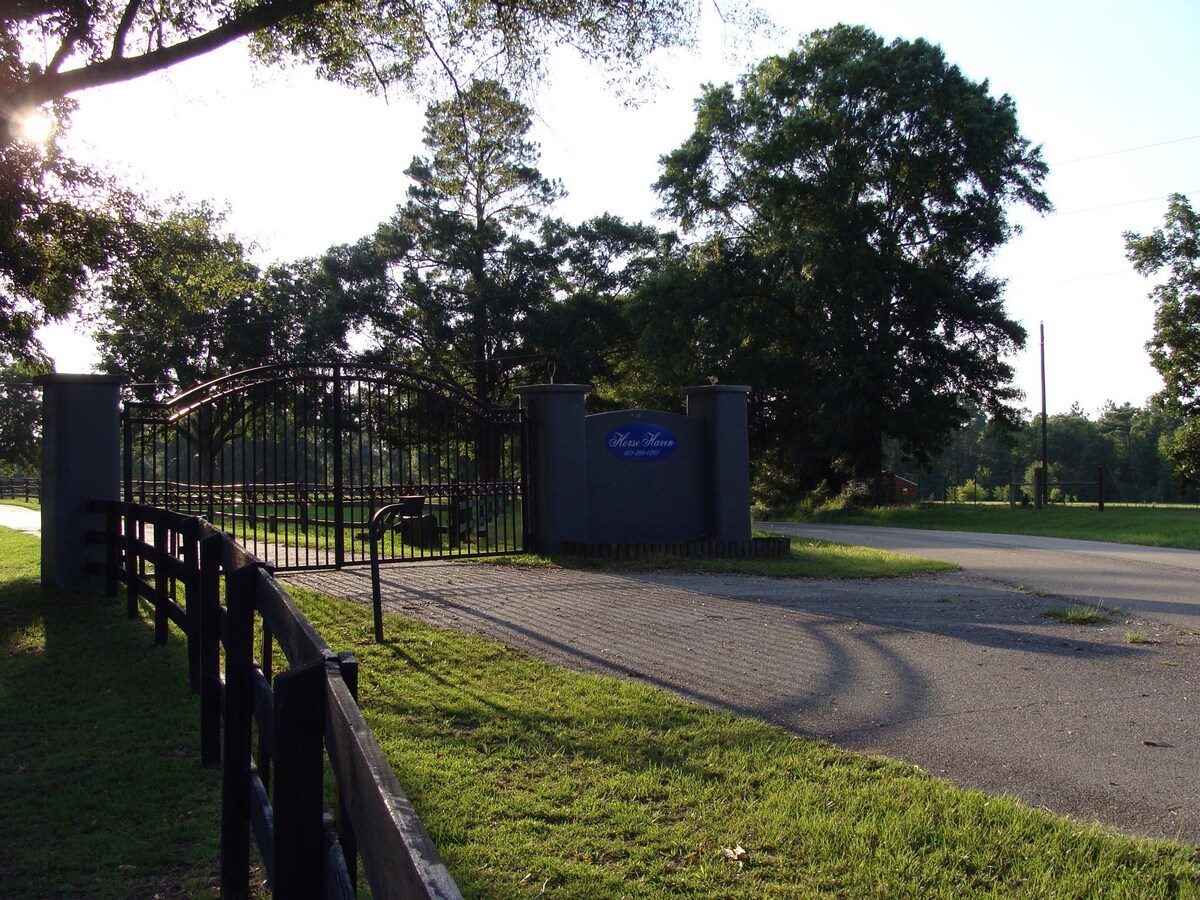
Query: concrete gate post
x=558, y=463
x=722, y=408
x=81, y=461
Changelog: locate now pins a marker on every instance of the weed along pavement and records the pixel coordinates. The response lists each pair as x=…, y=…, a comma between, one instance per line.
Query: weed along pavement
x=957, y=673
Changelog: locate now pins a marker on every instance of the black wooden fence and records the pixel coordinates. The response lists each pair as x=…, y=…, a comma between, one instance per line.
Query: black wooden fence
x=18, y=488
x=302, y=717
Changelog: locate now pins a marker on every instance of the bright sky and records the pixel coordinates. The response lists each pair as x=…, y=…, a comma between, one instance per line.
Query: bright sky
x=1108, y=87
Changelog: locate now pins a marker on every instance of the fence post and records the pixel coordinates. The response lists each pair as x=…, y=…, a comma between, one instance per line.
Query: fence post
x=296, y=800
x=209, y=653
x=191, y=589
x=239, y=720
x=161, y=576
x=339, y=484
x=132, y=567
x=557, y=470
x=1100, y=488
x=373, y=533
x=348, y=666
x=724, y=410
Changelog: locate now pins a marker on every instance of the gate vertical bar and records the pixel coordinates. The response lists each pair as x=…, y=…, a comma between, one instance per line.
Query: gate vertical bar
x=204, y=464
x=339, y=531
x=527, y=505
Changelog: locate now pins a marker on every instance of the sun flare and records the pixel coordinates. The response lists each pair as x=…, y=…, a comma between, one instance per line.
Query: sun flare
x=34, y=126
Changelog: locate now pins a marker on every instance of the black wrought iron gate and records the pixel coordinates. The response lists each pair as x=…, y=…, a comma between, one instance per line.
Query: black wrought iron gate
x=294, y=460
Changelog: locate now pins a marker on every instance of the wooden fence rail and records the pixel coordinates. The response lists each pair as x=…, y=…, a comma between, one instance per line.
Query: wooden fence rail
x=302, y=717
x=18, y=488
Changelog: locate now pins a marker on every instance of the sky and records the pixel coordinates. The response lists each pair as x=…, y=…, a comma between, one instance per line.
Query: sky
x=1108, y=89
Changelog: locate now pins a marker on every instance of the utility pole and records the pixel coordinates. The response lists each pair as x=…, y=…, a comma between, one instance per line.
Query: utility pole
x=1045, y=461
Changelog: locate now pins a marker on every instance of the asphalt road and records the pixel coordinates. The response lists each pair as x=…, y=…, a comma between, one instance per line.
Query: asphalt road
x=1155, y=582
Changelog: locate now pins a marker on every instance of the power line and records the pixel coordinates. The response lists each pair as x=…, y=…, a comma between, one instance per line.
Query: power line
x=1075, y=212
x=1067, y=162
x=1046, y=284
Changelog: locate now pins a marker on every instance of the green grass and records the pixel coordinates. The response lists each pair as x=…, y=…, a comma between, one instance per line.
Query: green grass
x=1154, y=526
x=27, y=504
x=1075, y=615
x=806, y=559
x=101, y=789
x=537, y=781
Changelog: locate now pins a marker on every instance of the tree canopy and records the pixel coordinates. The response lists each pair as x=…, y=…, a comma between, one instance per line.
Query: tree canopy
x=843, y=201
x=1174, y=250
x=466, y=264
x=20, y=419
x=180, y=307
x=1123, y=442
x=57, y=226
x=185, y=305
x=369, y=44
x=473, y=280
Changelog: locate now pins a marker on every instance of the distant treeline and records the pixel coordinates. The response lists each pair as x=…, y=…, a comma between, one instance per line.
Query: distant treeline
x=1123, y=442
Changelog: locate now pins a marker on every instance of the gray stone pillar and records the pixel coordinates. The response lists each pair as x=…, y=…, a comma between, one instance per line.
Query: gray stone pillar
x=81, y=461
x=558, y=463
x=722, y=408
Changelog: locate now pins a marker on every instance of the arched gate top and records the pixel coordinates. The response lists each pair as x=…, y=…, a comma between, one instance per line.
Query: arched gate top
x=392, y=376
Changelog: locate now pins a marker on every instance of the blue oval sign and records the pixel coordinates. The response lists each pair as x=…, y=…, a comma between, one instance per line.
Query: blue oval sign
x=641, y=442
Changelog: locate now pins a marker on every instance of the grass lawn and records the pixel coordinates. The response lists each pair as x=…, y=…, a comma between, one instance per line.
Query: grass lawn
x=533, y=780
x=1154, y=526
x=27, y=504
x=101, y=789
x=806, y=559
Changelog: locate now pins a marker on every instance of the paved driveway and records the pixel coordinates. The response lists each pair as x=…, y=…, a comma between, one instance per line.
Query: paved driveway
x=956, y=673
x=20, y=519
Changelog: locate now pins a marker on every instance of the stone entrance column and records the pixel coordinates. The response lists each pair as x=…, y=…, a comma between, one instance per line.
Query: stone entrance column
x=558, y=456
x=722, y=408
x=81, y=461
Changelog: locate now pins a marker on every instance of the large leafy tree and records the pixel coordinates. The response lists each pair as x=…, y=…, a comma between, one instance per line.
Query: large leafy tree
x=484, y=286
x=844, y=200
x=180, y=307
x=61, y=225
x=185, y=305
x=469, y=267
x=1174, y=251
x=583, y=336
x=20, y=419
